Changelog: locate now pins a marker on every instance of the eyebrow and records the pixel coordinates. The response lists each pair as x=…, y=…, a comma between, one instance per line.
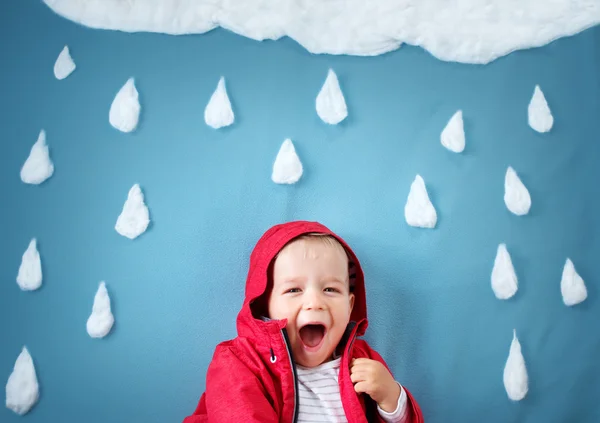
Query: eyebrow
x=292, y=281
x=329, y=279
x=335, y=280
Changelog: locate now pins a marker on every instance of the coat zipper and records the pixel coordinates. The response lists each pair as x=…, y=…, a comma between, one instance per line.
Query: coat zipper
x=351, y=339
x=350, y=342
x=286, y=341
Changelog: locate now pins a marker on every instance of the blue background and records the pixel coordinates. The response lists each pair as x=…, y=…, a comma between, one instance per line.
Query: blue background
x=177, y=288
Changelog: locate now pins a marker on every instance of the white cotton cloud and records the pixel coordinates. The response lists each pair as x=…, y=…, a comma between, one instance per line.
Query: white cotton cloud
x=135, y=217
x=22, y=388
x=470, y=31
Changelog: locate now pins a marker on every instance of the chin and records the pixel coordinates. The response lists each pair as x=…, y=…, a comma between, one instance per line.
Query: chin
x=314, y=360
x=311, y=363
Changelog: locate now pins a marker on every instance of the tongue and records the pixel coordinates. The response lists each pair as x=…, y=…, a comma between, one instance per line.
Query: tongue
x=312, y=334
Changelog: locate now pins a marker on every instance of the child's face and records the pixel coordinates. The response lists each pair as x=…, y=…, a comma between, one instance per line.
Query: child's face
x=311, y=290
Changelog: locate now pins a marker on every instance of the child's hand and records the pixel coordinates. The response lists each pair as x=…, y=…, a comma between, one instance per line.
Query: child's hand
x=372, y=378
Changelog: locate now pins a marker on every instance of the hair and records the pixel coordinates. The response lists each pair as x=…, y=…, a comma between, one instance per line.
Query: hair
x=324, y=239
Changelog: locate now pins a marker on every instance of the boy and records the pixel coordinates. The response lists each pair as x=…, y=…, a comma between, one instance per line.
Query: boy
x=296, y=357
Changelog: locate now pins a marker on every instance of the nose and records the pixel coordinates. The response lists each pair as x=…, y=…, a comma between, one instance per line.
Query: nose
x=314, y=300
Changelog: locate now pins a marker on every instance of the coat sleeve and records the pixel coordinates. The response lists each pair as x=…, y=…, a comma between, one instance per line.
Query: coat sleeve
x=233, y=393
x=414, y=411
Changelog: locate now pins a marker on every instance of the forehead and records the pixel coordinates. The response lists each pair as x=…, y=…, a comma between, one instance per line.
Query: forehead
x=321, y=252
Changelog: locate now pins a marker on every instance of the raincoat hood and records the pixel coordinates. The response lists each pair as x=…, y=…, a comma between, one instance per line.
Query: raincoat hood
x=268, y=246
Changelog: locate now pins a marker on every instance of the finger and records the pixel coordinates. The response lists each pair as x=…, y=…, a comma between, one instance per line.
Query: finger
x=361, y=364
x=361, y=387
x=357, y=377
x=363, y=368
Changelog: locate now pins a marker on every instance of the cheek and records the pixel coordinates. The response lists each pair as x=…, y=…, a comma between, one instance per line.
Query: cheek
x=279, y=309
x=273, y=307
x=343, y=311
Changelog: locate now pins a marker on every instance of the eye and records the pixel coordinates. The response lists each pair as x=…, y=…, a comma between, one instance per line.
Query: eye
x=292, y=291
x=331, y=289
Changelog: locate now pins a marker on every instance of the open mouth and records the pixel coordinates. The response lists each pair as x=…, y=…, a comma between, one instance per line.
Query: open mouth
x=312, y=335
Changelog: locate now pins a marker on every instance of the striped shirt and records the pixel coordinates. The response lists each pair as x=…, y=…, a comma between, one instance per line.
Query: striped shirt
x=319, y=396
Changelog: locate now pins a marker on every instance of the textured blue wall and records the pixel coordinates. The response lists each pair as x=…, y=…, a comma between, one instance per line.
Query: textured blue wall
x=176, y=289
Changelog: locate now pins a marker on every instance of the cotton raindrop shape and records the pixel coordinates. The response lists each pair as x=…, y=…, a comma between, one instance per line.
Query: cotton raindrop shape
x=453, y=135
x=38, y=167
x=504, y=279
x=29, y=277
x=64, y=64
x=539, y=115
x=287, y=168
x=330, y=104
x=515, y=373
x=419, y=211
x=125, y=109
x=22, y=388
x=101, y=320
x=572, y=287
x=135, y=217
x=218, y=112
x=516, y=195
